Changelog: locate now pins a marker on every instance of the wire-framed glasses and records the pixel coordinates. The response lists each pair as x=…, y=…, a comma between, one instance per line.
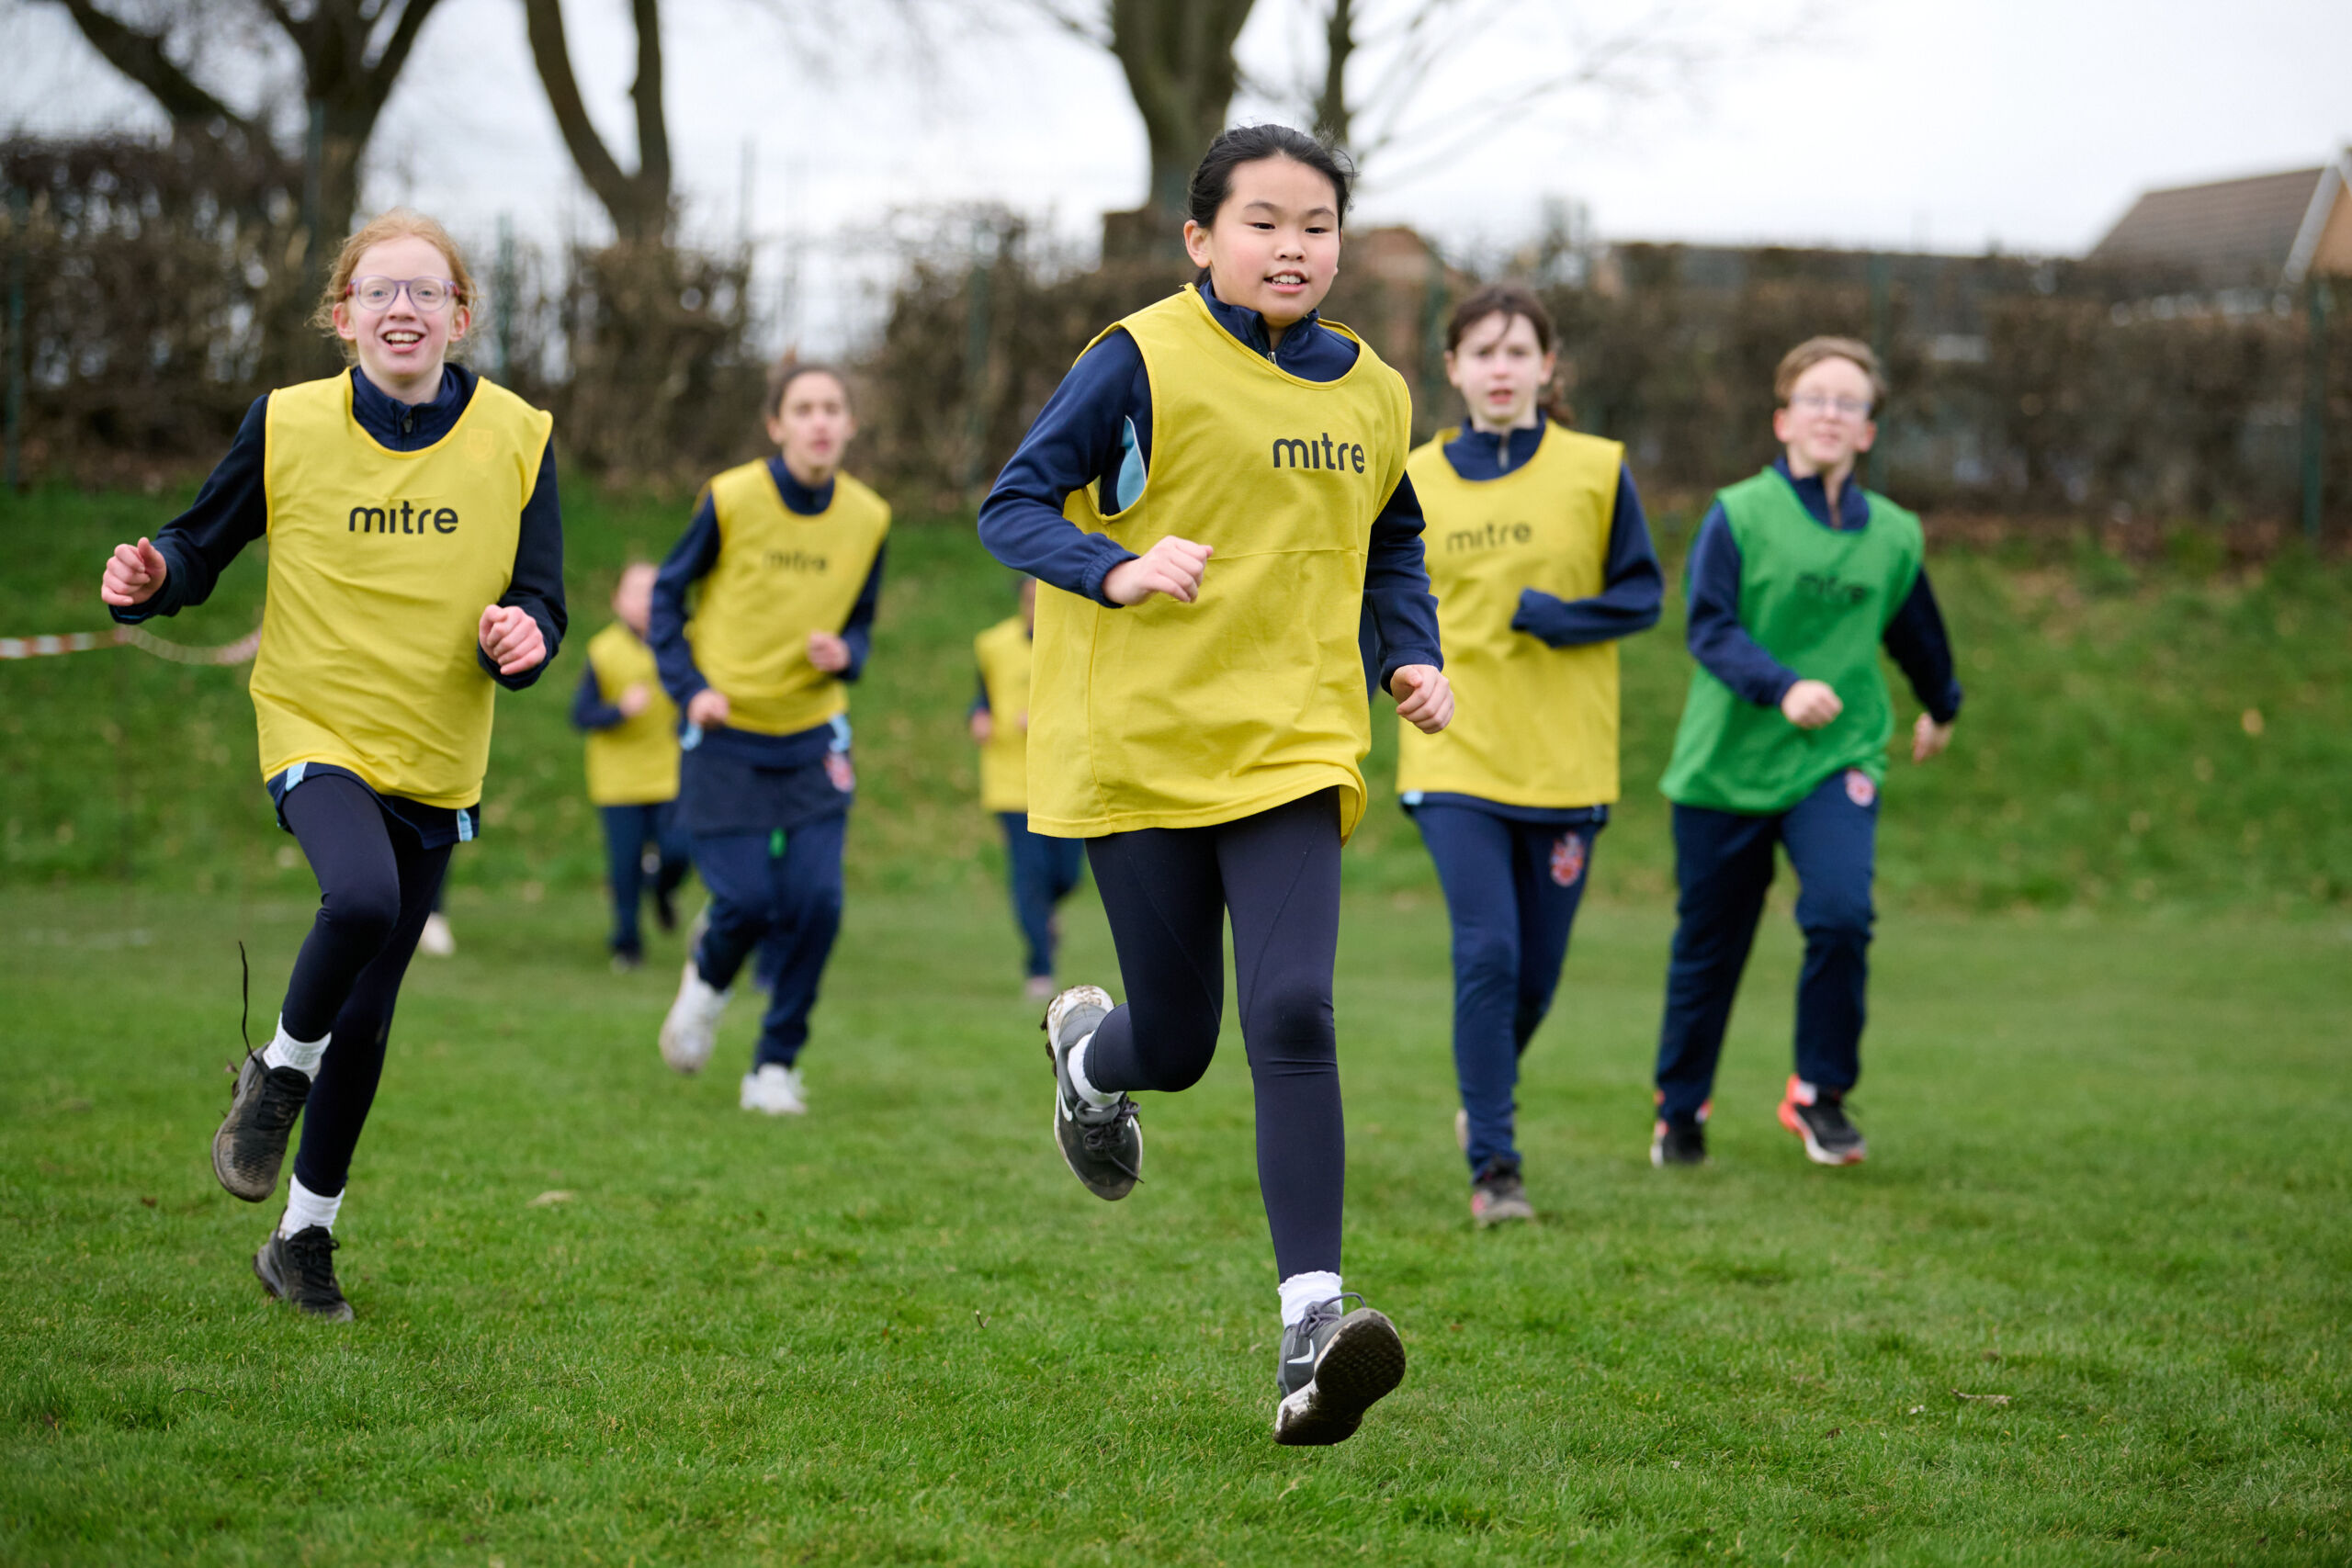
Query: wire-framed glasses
x=1807, y=402
x=427, y=294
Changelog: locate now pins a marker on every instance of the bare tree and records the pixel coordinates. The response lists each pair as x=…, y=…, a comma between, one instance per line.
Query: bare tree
x=1178, y=59
x=1378, y=58
x=640, y=204
x=351, y=53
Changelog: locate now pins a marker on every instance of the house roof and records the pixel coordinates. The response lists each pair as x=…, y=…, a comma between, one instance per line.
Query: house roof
x=2257, y=230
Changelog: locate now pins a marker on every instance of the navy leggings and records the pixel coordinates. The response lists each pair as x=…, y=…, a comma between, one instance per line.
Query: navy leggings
x=627, y=829
x=1042, y=872
x=1724, y=861
x=1511, y=889
x=1167, y=892
x=781, y=893
x=377, y=884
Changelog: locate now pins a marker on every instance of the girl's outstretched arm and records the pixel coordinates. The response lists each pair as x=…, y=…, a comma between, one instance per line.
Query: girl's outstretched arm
x=231, y=511
x=536, y=587
x=1094, y=430
x=1400, y=612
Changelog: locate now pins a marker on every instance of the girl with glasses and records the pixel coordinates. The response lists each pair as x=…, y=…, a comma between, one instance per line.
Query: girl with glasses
x=1798, y=576
x=415, y=566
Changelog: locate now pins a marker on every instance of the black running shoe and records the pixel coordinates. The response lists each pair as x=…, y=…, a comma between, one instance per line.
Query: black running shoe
x=1672, y=1143
x=1820, y=1120
x=1332, y=1370
x=1101, y=1145
x=250, y=1148
x=300, y=1269
x=1499, y=1194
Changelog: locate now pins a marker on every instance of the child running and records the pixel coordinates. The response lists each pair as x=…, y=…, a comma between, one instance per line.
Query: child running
x=789, y=554
x=415, y=565
x=1212, y=496
x=1041, y=871
x=1540, y=554
x=1796, y=578
x=632, y=766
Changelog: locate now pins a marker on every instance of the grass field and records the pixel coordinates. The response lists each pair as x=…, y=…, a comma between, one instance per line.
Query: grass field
x=2135, y=736
x=898, y=1331
x=608, y=1318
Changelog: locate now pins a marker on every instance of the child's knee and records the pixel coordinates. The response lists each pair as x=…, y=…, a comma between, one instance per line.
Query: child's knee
x=1487, y=963
x=1837, y=915
x=368, y=910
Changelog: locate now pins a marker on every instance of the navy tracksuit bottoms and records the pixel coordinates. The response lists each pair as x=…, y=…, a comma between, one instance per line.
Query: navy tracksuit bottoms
x=1723, y=863
x=1042, y=872
x=1167, y=892
x=1511, y=890
x=377, y=884
x=779, y=890
x=628, y=830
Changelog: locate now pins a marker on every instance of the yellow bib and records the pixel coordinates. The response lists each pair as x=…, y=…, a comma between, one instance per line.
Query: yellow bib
x=381, y=565
x=1532, y=726
x=636, y=761
x=1003, y=651
x=1181, y=716
x=781, y=576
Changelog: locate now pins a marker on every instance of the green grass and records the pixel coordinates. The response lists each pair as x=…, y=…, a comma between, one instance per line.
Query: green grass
x=2109, y=1183
x=2109, y=1076
x=2144, y=736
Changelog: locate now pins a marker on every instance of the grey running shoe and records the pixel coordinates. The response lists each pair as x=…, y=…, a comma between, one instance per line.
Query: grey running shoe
x=1101, y=1145
x=1675, y=1144
x=250, y=1148
x=1499, y=1194
x=1333, y=1369
x=1819, y=1117
x=300, y=1271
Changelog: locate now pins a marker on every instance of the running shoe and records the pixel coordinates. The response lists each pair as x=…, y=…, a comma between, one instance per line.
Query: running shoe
x=250, y=1148
x=776, y=1090
x=436, y=939
x=690, y=1031
x=1499, y=1194
x=300, y=1271
x=1672, y=1143
x=1101, y=1145
x=1820, y=1120
x=1332, y=1369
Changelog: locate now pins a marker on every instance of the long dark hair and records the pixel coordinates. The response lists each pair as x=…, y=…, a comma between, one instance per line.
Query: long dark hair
x=1213, y=176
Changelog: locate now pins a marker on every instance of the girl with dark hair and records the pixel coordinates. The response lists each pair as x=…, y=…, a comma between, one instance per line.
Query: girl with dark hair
x=1212, y=499
x=788, y=551
x=416, y=567
x=1540, y=554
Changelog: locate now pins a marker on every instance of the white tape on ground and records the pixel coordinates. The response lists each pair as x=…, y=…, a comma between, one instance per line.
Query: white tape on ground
x=236, y=652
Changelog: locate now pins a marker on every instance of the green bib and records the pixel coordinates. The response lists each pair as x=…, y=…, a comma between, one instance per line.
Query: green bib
x=1817, y=600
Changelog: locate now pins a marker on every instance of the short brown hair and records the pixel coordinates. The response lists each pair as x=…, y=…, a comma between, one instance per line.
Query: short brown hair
x=790, y=368
x=399, y=223
x=1499, y=299
x=1814, y=350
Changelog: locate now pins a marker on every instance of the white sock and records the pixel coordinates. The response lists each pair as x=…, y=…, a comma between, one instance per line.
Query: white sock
x=1079, y=1080
x=1303, y=1290
x=285, y=1051
x=305, y=1208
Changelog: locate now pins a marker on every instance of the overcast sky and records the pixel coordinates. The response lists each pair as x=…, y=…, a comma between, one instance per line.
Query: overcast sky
x=2026, y=124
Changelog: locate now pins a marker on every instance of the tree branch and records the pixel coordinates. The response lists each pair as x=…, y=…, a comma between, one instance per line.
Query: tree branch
x=141, y=57
x=543, y=22
x=653, y=127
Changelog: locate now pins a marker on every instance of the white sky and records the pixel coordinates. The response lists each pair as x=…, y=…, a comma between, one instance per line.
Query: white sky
x=1942, y=124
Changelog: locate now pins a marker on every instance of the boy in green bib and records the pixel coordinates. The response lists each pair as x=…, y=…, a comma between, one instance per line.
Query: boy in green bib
x=1797, y=578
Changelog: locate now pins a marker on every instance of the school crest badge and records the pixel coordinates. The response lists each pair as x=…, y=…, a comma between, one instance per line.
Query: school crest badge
x=837, y=769
x=1858, y=788
x=1567, y=859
